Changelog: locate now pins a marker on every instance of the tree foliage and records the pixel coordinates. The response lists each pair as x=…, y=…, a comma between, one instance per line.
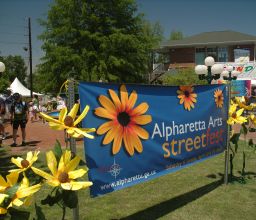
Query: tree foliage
x=14, y=67
x=105, y=40
x=176, y=35
x=183, y=77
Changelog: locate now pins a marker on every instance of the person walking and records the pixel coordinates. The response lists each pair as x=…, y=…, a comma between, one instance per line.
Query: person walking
x=19, y=117
x=2, y=118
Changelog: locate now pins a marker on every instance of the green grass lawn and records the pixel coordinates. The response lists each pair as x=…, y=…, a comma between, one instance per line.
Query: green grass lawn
x=195, y=192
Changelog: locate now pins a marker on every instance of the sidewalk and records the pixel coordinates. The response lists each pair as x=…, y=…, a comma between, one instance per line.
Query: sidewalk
x=39, y=137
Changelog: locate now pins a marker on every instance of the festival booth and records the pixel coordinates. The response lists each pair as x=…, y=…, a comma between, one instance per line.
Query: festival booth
x=18, y=87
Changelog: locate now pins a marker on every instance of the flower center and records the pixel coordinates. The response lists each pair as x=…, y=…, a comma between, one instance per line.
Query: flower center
x=63, y=177
x=234, y=115
x=24, y=163
x=219, y=98
x=123, y=118
x=186, y=93
x=68, y=121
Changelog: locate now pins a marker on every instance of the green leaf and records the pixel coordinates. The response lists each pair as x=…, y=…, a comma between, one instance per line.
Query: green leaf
x=18, y=215
x=12, y=190
x=39, y=213
x=51, y=200
x=250, y=143
x=57, y=150
x=70, y=198
x=235, y=138
x=244, y=129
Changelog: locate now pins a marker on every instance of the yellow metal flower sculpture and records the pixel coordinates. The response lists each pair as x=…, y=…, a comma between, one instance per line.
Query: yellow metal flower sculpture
x=187, y=97
x=64, y=173
x=219, y=98
x=23, y=191
x=236, y=116
x=24, y=164
x=242, y=103
x=69, y=122
x=125, y=121
x=2, y=198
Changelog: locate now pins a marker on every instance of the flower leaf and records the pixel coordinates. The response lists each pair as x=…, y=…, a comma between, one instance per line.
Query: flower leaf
x=57, y=150
x=18, y=214
x=235, y=138
x=244, y=129
x=70, y=198
x=39, y=213
x=250, y=143
x=12, y=190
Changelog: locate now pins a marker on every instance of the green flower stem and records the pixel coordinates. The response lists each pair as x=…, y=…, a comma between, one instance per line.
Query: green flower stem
x=63, y=212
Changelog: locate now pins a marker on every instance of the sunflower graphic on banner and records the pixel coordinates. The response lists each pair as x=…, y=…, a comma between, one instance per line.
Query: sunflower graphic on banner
x=143, y=132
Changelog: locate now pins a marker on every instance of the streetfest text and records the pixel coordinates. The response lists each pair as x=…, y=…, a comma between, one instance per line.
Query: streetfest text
x=176, y=147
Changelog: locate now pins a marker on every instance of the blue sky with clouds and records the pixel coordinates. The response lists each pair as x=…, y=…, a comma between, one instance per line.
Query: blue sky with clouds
x=189, y=16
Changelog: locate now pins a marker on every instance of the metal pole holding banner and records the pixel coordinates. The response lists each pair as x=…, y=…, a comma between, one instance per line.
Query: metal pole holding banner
x=71, y=102
x=228, y=138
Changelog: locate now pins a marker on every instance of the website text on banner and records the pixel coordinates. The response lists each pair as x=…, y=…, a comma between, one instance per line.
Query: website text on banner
x=144, y=132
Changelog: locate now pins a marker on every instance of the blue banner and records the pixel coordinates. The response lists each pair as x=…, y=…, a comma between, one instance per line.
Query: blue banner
x=147, y=131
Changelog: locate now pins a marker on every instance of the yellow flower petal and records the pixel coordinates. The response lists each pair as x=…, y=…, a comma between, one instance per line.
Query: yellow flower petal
x=142, y=119
x=49, y=118
x=17, y=161
x=115, y=99
x=53, y=182
x=124, y=96
x=3, y=184
x=101, y=112
x=137, y=144
x=29, y=156
x=105, y=127
x=42, y=173
x=132, y=100
x=24, y=192
x=141, y=132
x=51, y=162
x=57, y=127
x=75, y=185
x=71, y=165
x=63, y=114
x=3, y=211
x=76, y=173
x=84, y=113
x=82, y=132
x=128, y=143
x=64, y=160
x=16, y=202
x=110, y=135
x=73, y=111
x=12, y=178
x=140, y=109
x=117, y=144
x=107, y=104
x=2, y=197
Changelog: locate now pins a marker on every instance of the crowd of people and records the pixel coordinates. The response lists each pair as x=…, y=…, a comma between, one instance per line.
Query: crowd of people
x=18, y=111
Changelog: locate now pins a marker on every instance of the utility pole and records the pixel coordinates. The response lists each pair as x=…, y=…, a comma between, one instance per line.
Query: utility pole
x=30, y=58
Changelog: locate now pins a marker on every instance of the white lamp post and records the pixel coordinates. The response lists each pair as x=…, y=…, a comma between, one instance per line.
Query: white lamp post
x=2, y=67
x=209, y=71
x=230, y=74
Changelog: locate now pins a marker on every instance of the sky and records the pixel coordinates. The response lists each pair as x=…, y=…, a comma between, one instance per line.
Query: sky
x=188, y=16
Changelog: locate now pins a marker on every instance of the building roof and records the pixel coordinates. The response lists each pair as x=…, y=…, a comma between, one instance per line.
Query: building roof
x=211, y=38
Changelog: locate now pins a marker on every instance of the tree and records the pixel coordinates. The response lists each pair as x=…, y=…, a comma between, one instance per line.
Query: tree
x=183, y=77
x=176, y=35
x=100, y=39
x=14, y=67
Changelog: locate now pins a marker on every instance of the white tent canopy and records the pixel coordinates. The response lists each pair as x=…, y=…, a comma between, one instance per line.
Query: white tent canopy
x=18, y=87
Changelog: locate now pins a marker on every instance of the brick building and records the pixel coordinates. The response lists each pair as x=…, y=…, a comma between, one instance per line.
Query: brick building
x=224, y=46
